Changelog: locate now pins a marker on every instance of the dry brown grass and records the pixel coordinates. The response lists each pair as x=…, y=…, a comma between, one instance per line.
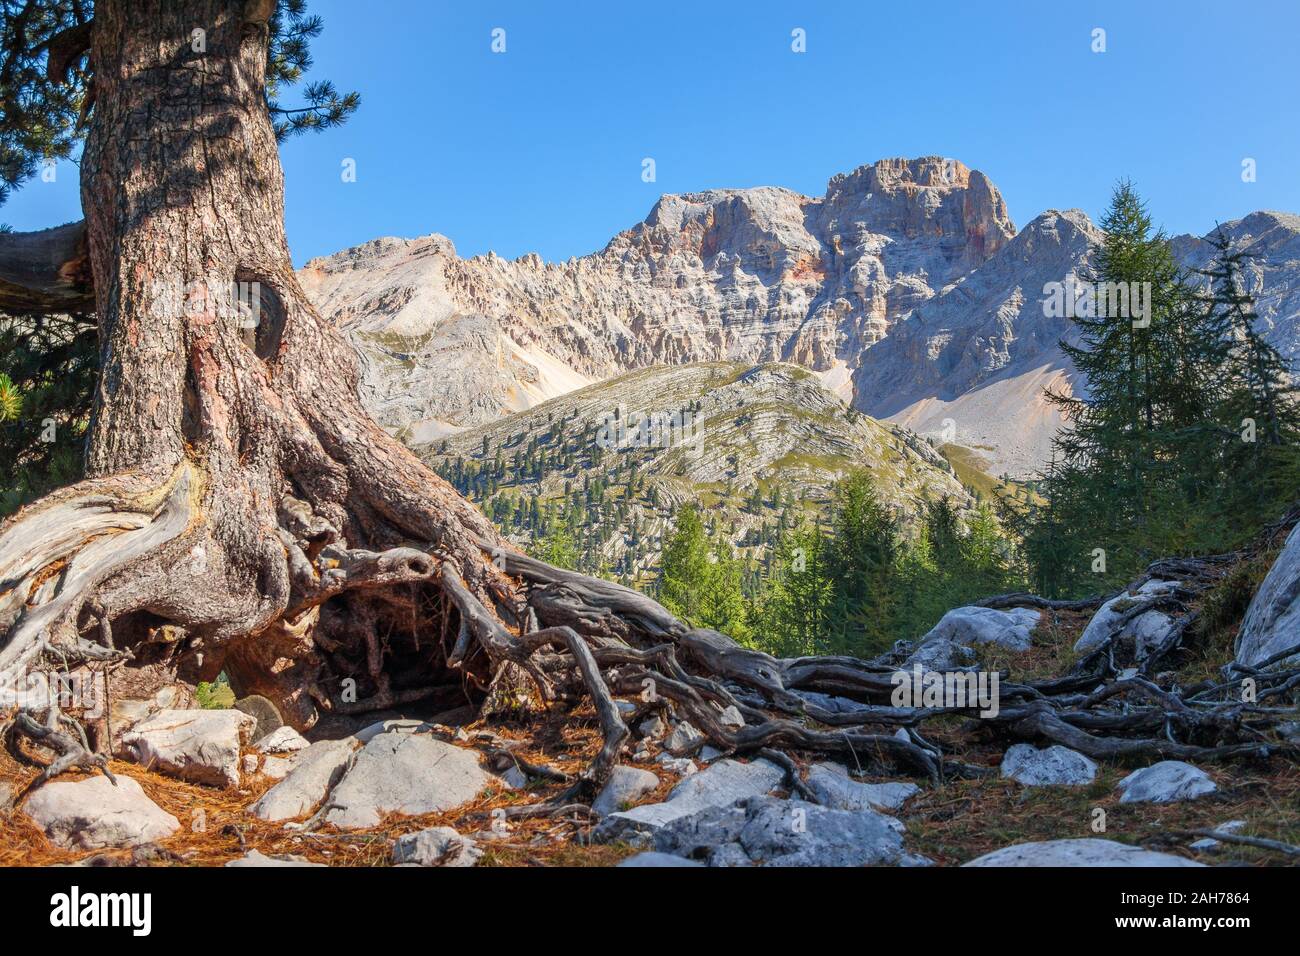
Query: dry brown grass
x=960, y=821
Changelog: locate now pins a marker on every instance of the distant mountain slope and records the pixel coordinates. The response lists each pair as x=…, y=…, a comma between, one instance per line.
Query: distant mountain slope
x=759, y=443
x=973, y=361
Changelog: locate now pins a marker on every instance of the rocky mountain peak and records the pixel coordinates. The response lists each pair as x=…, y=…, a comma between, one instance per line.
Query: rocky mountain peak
x=926, y=197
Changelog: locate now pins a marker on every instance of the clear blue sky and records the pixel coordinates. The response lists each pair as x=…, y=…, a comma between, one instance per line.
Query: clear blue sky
x=540, y=148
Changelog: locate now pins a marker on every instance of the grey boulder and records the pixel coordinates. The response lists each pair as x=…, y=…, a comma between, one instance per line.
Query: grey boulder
x=831, y=785
x=437, y=846
x=1011, y=629
x=1053, y=766
x=720, y=785
x=731, y=716
x=396, y=725
x=683, y=737
x=1209, y=843
x=1272, y=622
x=313, y=773
x=283, y=740
x=773, y=832
x=1143, y=631
x=201, y=746
x=940, y=655
x=625, y=786
x=1168, y=781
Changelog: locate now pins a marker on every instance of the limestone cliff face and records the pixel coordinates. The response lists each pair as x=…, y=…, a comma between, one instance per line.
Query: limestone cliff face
x=746, y=275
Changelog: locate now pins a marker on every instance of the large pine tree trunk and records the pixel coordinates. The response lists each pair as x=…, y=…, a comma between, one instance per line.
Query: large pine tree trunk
x=228, y=463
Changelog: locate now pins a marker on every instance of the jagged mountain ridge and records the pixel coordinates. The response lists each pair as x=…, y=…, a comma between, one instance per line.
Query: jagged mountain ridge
x=756, y=440
x=748, y=275
x=906, y=287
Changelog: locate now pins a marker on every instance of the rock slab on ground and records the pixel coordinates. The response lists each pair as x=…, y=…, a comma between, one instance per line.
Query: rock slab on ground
x=683, y=737
x=1209, y=843
x=773, y=832
x=313, y=773
x=1079, y=853
x=940, y=655
x=1272, y=622
x=201, y=746
x=720, y=785
x=831, y=785
x=408, y=774
x=1143, y=630
x=93, y=813
x=1011, y=629
x=283, y=740
x=437, y=846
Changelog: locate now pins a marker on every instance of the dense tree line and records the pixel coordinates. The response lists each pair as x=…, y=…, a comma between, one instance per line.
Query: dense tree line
x=852, y=587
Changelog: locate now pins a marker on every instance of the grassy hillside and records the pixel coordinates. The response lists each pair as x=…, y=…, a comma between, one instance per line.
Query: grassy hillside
x=606, y=468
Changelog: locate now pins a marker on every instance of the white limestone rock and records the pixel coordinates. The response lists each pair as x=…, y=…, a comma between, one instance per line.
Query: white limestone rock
x=407, y=774
x=731, y=717
x=1209, y=844
x=1272, y=622
x=1146, y=629
x=313, y=773
x=202, y=746
x=774, y=832
x=625, y=786
x=283, y=740
x=1010, y=629
x=683, y=735
x=720, y=785
x=437, y=846
x=93, y=813
x=833, y=788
